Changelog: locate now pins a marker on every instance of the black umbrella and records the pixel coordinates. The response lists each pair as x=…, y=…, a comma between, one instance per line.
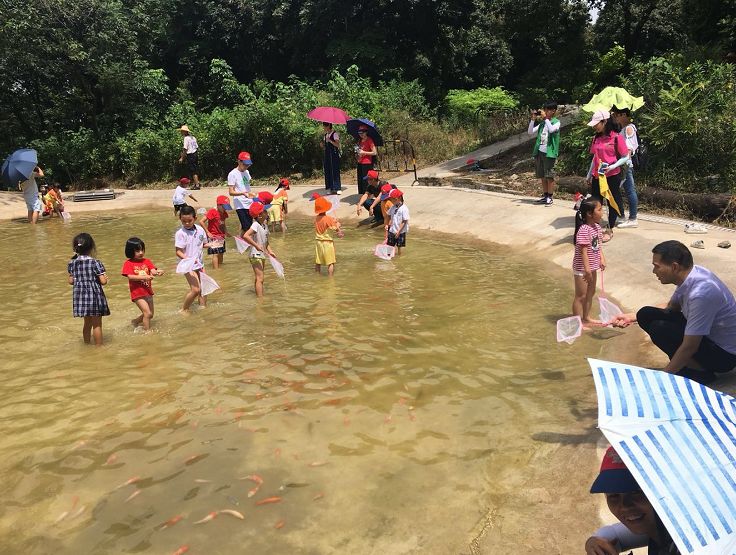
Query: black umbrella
x=354, y=124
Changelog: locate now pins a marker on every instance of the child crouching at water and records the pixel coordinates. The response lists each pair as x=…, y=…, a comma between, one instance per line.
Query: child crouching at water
x=189, y=241
x=588, y=257
x=257, y=237
x=325, y=246
x=140, y=271
x=87, y=276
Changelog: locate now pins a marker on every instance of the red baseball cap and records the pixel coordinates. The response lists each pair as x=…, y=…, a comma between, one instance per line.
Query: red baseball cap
x=265, y=197
x=244, y=157
x=372, y=174
x=255, y=209
x=224, y=201
x=614, y=477
x=396, y=193
x=386, y=188
x=315, y=196
x=184, y=181
x=284, y=183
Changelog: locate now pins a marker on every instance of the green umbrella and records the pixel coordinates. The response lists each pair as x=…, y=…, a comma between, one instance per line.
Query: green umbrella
x=613, y=96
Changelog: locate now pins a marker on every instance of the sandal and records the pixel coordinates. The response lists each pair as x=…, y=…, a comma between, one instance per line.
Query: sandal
x=606, y=237
x=695, y=228
x=725, y=244
x=699, y=244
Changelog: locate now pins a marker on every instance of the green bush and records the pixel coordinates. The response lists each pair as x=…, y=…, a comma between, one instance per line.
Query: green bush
x=464, y=106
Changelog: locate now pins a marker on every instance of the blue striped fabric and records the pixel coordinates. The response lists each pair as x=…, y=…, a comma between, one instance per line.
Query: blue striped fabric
x=678, y=438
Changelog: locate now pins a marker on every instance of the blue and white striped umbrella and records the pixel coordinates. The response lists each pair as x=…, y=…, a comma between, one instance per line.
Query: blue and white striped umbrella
x=678, y=439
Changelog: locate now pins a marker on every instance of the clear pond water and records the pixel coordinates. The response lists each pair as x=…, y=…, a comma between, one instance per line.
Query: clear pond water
x=410, y=406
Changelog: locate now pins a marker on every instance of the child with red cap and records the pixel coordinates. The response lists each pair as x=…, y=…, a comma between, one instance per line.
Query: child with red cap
x=277, y=211
x=213, y=223
x=398, y=216
x=257, y=237
x=180, y=195
x=325, y=245
x=640, y=526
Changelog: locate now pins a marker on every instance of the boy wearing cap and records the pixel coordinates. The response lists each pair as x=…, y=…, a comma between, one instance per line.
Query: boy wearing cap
x=257, y=237
x=325, y=245
x=398, y=216
x=640, y=525
x=238, y=183
x=180, y=196
x=213, y=223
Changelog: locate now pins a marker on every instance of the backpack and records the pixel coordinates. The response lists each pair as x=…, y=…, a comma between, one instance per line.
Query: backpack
x=640, y=157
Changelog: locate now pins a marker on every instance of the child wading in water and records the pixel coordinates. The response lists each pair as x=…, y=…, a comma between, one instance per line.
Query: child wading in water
x=279, y=205
x=189, y=240
x=325, y=247
x=140, y=271
x=87, y=276
x=399, y=217
x=257, y=237
x=214, y=220
x=588, y=257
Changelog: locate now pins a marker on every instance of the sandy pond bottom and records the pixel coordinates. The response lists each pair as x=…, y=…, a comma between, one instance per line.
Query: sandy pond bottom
x=414, y=406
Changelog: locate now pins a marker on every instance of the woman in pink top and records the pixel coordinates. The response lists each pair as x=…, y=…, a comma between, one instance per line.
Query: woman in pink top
x=609, y=152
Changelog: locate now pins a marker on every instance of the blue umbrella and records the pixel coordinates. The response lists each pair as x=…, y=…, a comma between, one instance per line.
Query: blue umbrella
x=354, y=124
x=19, y=166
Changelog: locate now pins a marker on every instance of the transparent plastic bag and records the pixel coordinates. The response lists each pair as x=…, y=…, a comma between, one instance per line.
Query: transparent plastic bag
x=569, y=329
x=207, y=285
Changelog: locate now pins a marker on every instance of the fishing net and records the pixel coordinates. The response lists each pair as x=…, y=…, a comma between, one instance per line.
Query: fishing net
x=207, y=285
x=384, y=251
x=240, y=244
x=569, y=329
x=277, y=266
x=185, y=265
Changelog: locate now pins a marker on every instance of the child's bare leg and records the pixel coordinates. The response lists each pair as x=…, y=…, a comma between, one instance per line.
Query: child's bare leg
x=330, y=269
x=201, y=299
x=216, y=261
x=589, y=294
x=578, y=300
x=258, y=273
x=220, y=259
x=318, y=268
x=145, y=305
x=87, y=329
x=193, y=281
x=97, y=329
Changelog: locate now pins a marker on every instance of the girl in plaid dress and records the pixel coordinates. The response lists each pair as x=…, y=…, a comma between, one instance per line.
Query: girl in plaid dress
x=87, y=276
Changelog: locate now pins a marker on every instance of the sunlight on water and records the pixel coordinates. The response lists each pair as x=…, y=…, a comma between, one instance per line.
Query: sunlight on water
x=387, y=408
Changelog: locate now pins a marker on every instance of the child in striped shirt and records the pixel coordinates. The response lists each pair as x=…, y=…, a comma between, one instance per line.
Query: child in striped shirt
x=588, y=258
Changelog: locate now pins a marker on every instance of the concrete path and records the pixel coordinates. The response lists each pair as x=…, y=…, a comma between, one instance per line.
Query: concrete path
x=448, y=167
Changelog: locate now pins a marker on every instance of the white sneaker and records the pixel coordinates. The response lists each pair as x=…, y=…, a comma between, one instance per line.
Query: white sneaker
x=628, y=223
x=695, y=228
x=541, y=200
x=338, y=192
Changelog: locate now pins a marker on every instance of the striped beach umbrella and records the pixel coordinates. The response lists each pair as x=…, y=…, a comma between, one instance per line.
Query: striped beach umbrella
x=678, y=439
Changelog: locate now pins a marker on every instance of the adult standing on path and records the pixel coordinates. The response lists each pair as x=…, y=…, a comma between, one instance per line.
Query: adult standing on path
x=238, y=183
x=546, y=148
x=628, y=131
x=609, y=154
x=331, y=162
x=697, y=329
x=189, y=152
x=364, y=152
x=30, y=195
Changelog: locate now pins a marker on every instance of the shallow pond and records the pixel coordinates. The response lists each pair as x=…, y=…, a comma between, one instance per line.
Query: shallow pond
x=411, y=406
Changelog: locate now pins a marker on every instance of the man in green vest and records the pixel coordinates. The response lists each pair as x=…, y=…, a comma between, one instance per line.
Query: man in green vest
x=547, y=128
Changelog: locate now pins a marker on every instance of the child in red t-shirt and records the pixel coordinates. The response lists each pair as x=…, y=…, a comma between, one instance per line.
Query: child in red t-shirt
x=213, y=223
x=140, y=271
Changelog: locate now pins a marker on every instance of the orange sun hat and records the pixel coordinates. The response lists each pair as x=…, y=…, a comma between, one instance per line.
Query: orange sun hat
x=321, y=205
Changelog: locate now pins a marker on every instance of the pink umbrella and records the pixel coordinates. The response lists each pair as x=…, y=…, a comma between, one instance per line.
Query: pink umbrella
x=329, y=114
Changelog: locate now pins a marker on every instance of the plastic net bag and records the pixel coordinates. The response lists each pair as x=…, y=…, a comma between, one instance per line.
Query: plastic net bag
x=66, y=216
x=569, y=329
x=384, y=251
x=185, y=265
x=207, y=285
